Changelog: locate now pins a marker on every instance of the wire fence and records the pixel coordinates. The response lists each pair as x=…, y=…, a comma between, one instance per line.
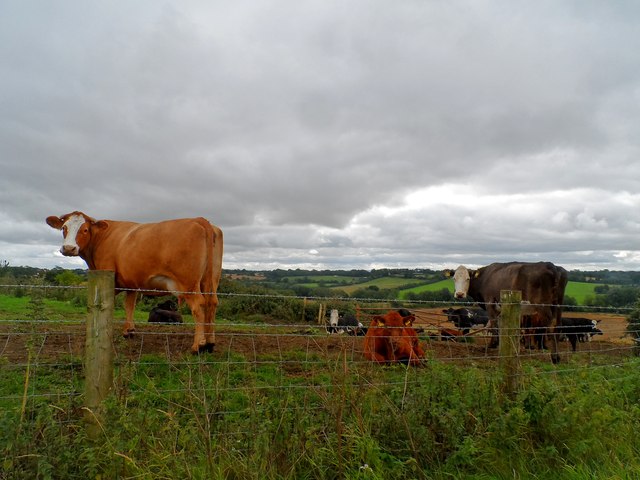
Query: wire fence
x=42, y=349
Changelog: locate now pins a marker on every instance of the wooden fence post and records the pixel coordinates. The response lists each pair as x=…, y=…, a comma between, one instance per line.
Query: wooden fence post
x=304, y=309
x=321, y=313
x=98, y=356
x=509, y=332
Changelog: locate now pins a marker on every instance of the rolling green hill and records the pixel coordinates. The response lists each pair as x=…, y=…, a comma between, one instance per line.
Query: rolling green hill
x=382, y=283
x=432, y=287
x=580, y=290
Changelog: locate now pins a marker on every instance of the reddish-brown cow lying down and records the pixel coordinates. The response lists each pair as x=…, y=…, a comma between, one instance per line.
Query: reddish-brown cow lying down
x=391, y=338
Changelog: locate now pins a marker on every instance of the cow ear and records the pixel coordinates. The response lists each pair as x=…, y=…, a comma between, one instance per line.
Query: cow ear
x=100, y=224
x=379, y=320
x=448, y=273
x=55, y=222
x=408, y=321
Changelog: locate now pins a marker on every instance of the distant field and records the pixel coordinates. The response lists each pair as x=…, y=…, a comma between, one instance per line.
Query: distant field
x=303, y=279
x=381, y=283
x=580, y=290
x=432, y=287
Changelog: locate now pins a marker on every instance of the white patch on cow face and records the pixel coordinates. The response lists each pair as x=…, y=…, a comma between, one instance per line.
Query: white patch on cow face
x=70, y=231
x=461, y=280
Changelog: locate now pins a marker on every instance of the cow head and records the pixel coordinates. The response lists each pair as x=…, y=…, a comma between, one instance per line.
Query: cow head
x=76, y=231
x=594, y=329
x=460, y=317
x=398, y=334
x=461, y=279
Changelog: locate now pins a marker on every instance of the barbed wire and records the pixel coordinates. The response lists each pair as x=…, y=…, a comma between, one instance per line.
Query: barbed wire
x=275, y=296
x=317, y=355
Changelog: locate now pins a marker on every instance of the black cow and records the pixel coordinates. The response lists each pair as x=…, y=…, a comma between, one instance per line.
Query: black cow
x=465, y=318
x=165, y=312
x=578, y=330
x=542, y=284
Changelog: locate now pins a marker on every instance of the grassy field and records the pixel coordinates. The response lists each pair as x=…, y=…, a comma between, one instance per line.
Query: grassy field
x=432, y=287
x=381, y=283
x=580, y=291
x=317, y=279
x=278, y=410
x=20, y=308
x=238, y=418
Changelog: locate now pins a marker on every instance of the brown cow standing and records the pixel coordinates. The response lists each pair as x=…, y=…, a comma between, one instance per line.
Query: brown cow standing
x=182, y=256
x=542, y=285
x=391, y=338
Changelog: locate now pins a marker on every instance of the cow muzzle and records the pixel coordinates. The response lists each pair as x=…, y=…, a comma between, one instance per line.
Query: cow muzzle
x=69, y=250
x=460, y=295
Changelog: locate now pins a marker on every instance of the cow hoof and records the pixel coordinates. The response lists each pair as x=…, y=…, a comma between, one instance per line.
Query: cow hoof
x=206, y=348
x=128, y=334
x=555, y=358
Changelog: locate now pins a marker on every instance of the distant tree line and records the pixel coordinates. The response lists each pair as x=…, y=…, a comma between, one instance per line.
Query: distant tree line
x=619, y=290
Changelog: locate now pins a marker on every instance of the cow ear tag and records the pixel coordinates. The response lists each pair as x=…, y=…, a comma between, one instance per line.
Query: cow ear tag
x=380, y=322
x=408, y=321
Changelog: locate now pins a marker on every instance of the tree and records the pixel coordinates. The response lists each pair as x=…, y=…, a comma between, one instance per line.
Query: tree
x=633, y=328
x=68, y=279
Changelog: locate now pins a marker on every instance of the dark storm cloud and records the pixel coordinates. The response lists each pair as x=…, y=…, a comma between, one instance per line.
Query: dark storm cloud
x=345, y=134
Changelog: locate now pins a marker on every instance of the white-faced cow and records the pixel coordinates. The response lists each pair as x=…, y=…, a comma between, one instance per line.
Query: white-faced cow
x=183, y=256
x=542, y=284
x=578, y=329
x=465, y=318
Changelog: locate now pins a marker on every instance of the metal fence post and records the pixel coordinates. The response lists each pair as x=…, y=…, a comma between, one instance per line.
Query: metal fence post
x=509, y=331
x=98, y=360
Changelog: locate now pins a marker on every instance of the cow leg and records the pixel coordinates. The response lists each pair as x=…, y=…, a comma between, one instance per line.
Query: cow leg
x=376, y=357
x=196, y=304
x=573, y=338
x=376, y=349
x=210, y=318
x=492, y=327
x=553, y=338
x=129, y=307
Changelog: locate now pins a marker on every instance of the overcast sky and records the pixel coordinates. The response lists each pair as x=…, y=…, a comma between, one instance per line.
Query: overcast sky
x=328, y=134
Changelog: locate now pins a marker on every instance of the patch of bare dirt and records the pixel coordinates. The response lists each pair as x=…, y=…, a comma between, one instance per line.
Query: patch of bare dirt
x=48, y=342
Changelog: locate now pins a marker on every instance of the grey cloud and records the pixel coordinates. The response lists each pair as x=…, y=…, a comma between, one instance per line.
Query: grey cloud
x=301, y=128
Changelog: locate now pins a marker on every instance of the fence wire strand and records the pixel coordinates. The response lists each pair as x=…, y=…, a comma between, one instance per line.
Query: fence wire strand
x=39, y=346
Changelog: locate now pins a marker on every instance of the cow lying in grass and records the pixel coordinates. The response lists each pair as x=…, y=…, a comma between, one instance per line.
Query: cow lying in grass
x=345, y=324
x=391, y=339
x=165, y=312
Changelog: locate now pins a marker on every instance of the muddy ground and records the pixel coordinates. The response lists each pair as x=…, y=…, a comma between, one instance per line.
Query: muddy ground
x=51, y=341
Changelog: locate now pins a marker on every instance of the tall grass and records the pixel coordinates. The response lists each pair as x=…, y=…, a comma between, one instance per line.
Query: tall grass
x=299, y=417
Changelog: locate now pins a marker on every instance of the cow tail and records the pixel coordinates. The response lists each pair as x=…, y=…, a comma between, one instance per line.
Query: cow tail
x=216, y=259
x=213, y=269
x=559, y=286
